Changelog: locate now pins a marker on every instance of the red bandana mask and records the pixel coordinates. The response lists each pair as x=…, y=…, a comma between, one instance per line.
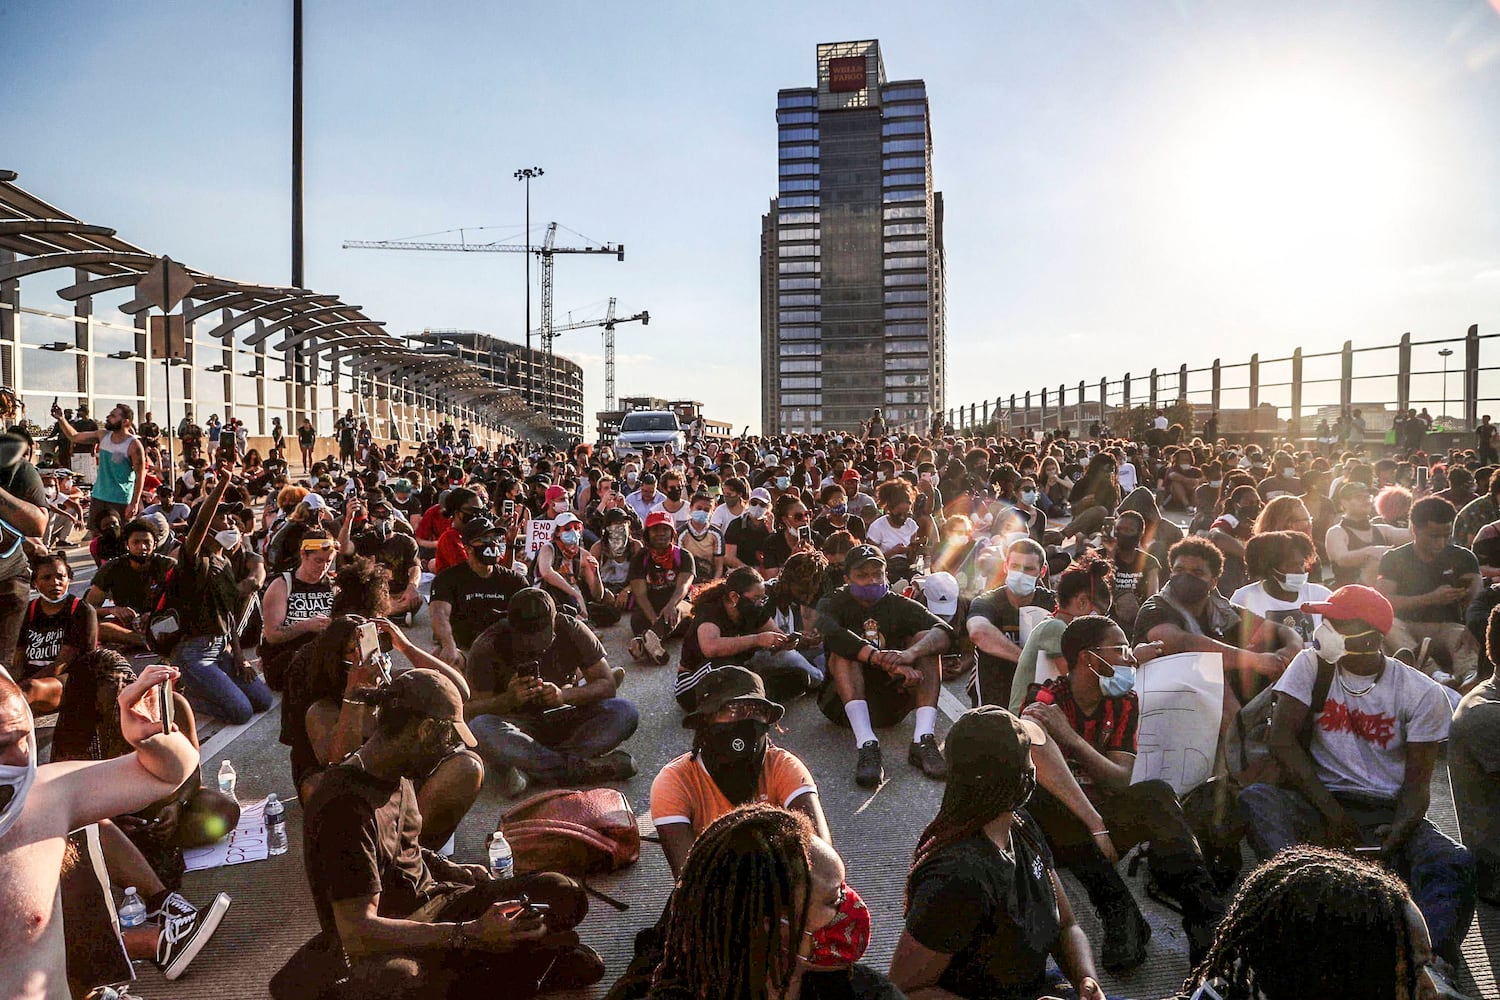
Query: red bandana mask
x=842, y=942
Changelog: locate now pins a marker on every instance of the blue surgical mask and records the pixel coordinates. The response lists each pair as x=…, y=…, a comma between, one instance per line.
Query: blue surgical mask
x=569, y=537
x=699, y=518
x=1118, y=684
x=1020, y=583
x=782, y=482
x=1028, y=497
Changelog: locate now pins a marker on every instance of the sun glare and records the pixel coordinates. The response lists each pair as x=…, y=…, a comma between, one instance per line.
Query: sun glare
x=1289, y=168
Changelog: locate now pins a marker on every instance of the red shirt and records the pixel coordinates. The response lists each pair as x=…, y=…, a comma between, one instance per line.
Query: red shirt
x=1110, y=729
x=450, y=551
x=432, y=524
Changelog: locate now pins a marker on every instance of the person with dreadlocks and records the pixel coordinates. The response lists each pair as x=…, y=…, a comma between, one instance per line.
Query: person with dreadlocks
x=763, y=912
x=1317, y=923
x=1091, y=713
x=984, y=905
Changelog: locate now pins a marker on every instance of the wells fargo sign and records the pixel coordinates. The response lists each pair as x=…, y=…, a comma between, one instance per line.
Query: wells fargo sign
x=846, y=73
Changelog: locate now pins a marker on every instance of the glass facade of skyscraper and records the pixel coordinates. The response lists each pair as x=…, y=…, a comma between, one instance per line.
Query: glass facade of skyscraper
x=852, y=252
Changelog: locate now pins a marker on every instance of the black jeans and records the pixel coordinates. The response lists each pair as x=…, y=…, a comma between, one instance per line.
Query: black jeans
x=1144, y=813
x=433, y=974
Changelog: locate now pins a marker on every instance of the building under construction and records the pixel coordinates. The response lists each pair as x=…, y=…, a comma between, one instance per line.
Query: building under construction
x=556, y=391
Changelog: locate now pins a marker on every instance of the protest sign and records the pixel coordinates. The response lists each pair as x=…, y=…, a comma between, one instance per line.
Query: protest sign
x=1182, y=701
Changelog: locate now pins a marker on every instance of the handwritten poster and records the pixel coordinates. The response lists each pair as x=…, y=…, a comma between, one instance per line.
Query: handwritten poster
x=538, y=533
x=246, y=842
x=1182, y=701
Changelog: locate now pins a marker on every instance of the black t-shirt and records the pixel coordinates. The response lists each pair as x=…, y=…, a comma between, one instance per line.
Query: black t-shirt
x=493, y=658
x=1413, y=577
x=748, y=536
x=775, y=551
x=1223, y=623
x=823, y=527
x=397, y=552
x=994, y=607
x=692, y=654
x=661, y=580
x=205, y=595
x=131, y=587
x=477, y=601
x=44, y=635
x=361, y=840
x=890, y=622
x=997, y=916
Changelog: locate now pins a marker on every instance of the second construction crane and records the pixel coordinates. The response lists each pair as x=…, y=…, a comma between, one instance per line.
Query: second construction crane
x=608, y=322
x=546, y=250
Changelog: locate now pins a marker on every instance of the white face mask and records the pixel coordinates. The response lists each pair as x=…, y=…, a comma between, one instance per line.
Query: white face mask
x=228, y=539
x=1294, y=581
x=1020, y=583
x=18, y=778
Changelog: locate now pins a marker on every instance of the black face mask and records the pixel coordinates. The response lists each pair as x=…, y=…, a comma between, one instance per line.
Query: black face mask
x=488, y=555
x=733, y=753
x=1127, y=543
x=754, y=614
x=674, y=493
x=1189, y=589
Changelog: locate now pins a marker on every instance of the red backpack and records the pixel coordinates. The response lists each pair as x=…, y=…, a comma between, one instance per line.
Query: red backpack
x=573, y=832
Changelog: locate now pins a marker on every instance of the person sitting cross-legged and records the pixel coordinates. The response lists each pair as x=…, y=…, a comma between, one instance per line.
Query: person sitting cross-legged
x=409, y=922
x=732, y=624
x=545, y=701
x=1358, y=762
x=884, y=660
x=1091, y=713
x=660, y=578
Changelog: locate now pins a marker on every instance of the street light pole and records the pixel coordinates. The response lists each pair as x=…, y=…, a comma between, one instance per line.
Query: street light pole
x=1445, y=353
x=525, y=175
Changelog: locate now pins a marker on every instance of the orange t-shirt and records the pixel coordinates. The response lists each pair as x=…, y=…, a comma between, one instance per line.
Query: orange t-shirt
x=683, y=791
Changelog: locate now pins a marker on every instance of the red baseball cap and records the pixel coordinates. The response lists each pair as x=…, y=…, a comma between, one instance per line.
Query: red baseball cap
x=1356, y=601
x=658, y=517
x=851, y=475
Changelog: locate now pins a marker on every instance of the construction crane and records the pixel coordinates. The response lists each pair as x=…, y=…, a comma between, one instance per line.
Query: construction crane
x=545, y=251
x=609, y=322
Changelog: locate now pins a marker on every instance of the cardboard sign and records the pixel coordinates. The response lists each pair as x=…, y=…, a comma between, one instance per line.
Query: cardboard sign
x=1182, y=702
x=246, y=842
x=538, y=533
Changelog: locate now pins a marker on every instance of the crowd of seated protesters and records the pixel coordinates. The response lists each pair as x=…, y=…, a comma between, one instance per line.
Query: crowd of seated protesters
x=860, y=570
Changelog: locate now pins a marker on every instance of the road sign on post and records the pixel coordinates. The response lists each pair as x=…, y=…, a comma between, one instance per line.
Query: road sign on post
x=166, y=284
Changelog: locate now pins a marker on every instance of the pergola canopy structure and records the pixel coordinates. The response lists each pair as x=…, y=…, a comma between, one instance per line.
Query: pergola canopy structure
x=36, y=237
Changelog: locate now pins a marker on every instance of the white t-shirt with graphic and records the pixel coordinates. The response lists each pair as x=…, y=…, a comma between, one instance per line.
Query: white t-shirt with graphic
x=1253, y=597
x=1359, y=742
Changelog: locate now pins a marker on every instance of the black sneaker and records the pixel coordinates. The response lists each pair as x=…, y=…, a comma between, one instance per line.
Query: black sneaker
x=182, y=939
x=173, y=907
x=925, y=755
x=867, y=771
x=1125, y=935
x=572, y=968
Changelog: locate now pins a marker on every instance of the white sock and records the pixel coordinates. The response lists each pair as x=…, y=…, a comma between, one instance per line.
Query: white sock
x=926, y=723
x=859, y=720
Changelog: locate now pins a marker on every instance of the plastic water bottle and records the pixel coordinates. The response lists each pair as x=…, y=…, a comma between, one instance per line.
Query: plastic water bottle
x=226, y=778
x=502, y=861
x=275, y=825
x=132, y=911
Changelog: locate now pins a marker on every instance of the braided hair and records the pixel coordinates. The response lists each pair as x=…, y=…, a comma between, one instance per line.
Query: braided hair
x=968, y=806
x=746, y=874
x=1314, y=922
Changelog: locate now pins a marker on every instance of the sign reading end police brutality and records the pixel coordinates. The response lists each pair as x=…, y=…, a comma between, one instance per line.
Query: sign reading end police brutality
x=537, y=534
x=1182, y=701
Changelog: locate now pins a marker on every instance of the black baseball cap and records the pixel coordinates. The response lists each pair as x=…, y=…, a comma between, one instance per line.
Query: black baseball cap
x=478, y=526
x=429, y=693
x=989, y=745
x=532, y=614
x=861, y=554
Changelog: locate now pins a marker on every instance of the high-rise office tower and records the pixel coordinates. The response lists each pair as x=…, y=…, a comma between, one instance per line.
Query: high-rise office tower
x=852, y=310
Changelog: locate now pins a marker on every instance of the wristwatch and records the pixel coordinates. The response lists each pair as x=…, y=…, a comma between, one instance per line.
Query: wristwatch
x=458, y=938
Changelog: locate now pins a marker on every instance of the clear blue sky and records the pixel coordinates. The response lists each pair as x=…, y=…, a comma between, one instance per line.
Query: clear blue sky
x=1128, y=183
